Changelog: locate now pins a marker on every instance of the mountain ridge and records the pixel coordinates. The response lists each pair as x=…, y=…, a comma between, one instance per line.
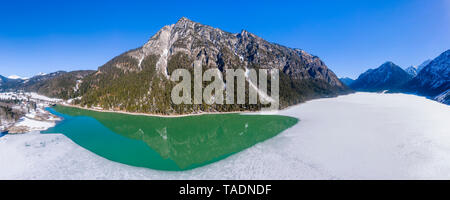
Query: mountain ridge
x=433, y=79
x=181, y=45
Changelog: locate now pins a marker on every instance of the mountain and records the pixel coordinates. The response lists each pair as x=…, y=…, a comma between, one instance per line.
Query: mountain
x=434, y=79
x=346, y=80
x=8, y=84
x=388, y=76
x=64, y=85
x=58, y=84
x=412, y=70
x=138, y=80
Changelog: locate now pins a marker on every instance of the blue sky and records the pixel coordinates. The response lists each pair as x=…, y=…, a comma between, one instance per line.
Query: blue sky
x=349, y=36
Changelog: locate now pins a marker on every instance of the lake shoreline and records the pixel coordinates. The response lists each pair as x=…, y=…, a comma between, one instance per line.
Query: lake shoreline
x=177, y=115
x=267, y=112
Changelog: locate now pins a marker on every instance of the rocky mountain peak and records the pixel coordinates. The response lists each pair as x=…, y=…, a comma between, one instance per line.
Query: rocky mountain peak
x=388, y=64
x=184, y=20
x=185, y=23
x=185, y=43
x=387, y=76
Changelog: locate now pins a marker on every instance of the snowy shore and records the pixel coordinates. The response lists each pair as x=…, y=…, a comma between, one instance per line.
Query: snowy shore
x=357, y=136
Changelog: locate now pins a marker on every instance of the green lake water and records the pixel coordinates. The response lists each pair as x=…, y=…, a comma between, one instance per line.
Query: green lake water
x=166, y=143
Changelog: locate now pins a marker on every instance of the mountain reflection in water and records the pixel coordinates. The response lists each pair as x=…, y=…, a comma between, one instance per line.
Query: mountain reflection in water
x=189, y=142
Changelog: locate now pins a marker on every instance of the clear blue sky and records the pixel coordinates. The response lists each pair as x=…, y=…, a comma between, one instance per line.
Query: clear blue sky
x=350, y=36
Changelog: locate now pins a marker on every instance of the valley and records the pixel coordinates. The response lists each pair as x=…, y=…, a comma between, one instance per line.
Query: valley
x=430, y=79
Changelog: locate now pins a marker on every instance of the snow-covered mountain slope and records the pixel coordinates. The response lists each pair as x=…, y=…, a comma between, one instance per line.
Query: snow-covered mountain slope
x=433, y=79
x=388, y=76
x=356, y=136
x=424, y=64
x=411, y=70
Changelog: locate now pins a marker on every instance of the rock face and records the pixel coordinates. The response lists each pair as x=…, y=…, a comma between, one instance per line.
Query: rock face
x=433, y=79
x=138, y=80
x=386, y=77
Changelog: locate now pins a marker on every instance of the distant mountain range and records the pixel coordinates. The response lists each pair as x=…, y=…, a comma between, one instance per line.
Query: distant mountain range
x=433, y=80
x=58, y=84
x=138, y=80
x=388, y=76
x=430, y=79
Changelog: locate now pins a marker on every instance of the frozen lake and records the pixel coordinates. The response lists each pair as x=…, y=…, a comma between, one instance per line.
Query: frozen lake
x=357, y=136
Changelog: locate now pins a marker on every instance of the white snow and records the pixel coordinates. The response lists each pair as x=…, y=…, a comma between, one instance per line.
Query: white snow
x=42, y=97
x=34, y=125
x=77, y=85
x=357, y=136
x=16, y=77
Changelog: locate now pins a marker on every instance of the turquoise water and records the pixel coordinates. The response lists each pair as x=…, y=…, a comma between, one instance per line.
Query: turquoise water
x=162, y=143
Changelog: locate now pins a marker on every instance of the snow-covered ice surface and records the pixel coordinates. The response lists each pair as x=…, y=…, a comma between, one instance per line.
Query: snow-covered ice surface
x=35, y=125
x=357, y=136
